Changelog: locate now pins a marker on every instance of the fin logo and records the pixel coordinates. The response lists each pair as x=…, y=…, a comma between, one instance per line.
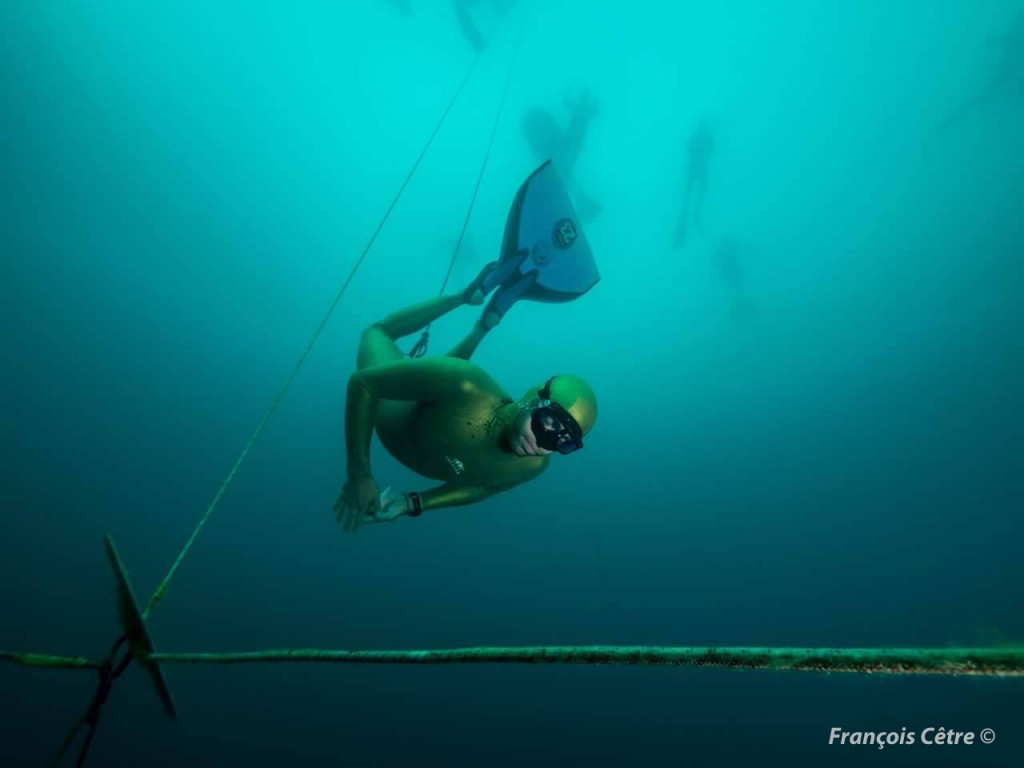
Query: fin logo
x=564, y=234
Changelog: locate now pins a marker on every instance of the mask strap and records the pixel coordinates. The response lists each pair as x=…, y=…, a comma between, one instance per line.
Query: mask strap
x=545, y=393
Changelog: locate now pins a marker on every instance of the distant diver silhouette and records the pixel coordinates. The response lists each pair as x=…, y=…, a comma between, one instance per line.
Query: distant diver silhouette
x=468, y=25
x=699, y=150
x=548, y=141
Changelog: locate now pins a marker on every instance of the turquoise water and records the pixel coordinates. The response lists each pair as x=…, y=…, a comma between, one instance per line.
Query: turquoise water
x=830, y=457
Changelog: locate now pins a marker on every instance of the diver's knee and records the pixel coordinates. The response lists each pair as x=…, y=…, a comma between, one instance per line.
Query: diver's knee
x=375, y=331
x=372, y=341
x=376, y=347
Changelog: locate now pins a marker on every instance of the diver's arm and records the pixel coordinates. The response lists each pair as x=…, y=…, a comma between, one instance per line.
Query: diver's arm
x=426, y=380
x=394, y=506
x=448, y=495
x=360, y=409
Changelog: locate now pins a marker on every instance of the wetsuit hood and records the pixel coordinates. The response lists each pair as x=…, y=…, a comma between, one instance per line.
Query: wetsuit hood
x=573, y=394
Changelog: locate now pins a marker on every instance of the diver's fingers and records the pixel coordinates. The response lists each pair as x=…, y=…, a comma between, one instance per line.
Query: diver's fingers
x=351, y=518
x=358, y=518
x=531, y=443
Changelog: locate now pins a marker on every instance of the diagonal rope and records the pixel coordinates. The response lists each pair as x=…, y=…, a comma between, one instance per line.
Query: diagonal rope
x=483, y=166
x=162, y=588
x=420, y=348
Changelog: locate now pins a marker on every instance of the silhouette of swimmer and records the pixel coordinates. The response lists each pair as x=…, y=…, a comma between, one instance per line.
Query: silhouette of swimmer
x=1006, y=80
x=548, y=141
x=727, y=262
x=469, y=28
x=699, y=150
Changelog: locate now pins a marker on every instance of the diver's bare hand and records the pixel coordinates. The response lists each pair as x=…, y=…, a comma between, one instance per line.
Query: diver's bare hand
x=359, y=499
x=392, y=506
x=523, y=441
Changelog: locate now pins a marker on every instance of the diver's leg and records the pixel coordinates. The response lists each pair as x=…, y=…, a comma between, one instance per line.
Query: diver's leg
x=465, y=348
x=419, y=316
x=586, y=206
x=378, y=341
x=684, y=214
x=377, y=344
x=468, y=27
x=698, y=207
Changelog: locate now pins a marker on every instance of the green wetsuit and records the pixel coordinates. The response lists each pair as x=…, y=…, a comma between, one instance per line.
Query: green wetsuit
x=442, y=417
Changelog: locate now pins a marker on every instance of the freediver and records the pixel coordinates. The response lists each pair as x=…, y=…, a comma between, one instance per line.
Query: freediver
x=469, y=27
x=548, y=141
x=699, y=150
x=445, y=417
x=1006, y=80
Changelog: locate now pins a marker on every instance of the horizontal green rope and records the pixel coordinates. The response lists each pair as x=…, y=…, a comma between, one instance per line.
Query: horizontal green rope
x=46, y=660
x=890, y=661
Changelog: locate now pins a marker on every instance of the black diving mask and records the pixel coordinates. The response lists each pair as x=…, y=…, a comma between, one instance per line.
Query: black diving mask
x=555, y=429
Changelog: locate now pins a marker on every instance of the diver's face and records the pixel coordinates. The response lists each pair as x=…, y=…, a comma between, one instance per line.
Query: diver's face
x=523, y=440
